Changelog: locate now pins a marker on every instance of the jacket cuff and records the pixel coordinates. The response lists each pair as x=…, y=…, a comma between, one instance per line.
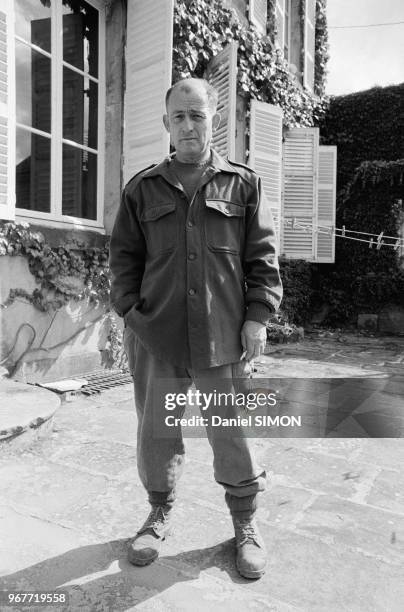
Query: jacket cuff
x=259, y=312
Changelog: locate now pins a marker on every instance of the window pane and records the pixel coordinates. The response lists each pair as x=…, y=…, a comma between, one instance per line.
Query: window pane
x=33, y=171
x=33, y=22
x=80, y=108
x=33, y=87
x=80, y=36
x=79, y=183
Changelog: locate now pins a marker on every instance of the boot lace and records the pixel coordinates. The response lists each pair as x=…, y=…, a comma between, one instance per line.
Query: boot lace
x=246, y=533
x=157, y=519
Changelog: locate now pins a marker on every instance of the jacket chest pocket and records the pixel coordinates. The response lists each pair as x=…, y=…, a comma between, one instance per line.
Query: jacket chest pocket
x=223, y=224
x=160, y=228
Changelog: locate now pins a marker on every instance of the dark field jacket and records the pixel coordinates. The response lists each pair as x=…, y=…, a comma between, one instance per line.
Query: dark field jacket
x=186, y=276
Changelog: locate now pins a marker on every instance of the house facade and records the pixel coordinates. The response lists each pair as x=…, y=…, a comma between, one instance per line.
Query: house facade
x=82, y=86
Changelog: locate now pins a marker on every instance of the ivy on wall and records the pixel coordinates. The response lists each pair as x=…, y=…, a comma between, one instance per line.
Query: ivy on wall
x=368, y=129
x=365, y=126
x=296, y=277
x=321, y=52
x=373, y=201
x=63, y=274
x=203, y=28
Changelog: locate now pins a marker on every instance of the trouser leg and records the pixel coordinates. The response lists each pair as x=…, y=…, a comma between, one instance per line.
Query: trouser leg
x=235, y=466
x=159, y=460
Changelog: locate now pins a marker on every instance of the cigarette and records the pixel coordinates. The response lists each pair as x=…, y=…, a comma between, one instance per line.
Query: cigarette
x=243, y=355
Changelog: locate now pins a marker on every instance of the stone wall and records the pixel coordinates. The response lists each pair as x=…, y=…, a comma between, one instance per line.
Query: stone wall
x=46, y=346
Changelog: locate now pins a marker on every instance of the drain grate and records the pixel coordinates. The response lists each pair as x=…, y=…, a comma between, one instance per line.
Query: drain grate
x=105, y=379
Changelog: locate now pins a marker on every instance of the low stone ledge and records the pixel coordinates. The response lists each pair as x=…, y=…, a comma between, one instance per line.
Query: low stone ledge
x=26, y=413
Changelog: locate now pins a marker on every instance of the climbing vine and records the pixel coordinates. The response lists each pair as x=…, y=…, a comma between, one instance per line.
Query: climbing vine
x=63, y=274
x=365, y=126
x=202, y=29
x=114, y=348
x=372, y=201
x=321, y=48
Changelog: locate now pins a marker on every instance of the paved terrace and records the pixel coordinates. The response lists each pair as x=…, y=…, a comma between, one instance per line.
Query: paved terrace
x=333, y=520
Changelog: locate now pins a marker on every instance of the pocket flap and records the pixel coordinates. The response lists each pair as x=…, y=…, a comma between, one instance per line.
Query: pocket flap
x=226, y=208
x=155, y=212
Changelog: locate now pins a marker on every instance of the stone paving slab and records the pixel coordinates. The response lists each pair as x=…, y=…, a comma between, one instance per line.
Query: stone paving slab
x=388, y=491
x=282, y=506
x=295, y=467
x=380, y=536
x=302, y=368
x=97, y=420
x=80, y=450
x=44, y=488
x=334, y=447
x=28, y=541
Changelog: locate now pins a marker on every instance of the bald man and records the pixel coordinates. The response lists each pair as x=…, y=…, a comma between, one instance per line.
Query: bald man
x=195, y=276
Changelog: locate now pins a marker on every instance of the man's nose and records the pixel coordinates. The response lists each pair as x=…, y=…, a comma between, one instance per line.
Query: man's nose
x=188, y=124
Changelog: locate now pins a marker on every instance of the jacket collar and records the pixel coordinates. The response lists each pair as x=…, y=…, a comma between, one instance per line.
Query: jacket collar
x=217, y=164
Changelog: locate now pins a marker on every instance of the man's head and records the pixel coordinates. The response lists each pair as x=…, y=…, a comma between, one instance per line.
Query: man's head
x=191, y=118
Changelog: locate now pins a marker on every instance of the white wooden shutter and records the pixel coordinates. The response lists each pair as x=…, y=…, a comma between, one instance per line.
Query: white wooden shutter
x=148, y=76
x=257, y=13
x=280, y=23
x=300, y=164
x=266, y=152
x=309, y=43
x=326, y=193
x=222, y=74
x=7, y=111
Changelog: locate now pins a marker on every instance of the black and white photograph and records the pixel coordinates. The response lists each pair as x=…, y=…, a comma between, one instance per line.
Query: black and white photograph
x=201, y=305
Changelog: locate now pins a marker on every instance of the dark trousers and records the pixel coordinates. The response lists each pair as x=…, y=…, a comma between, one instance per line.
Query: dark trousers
x=160, y=458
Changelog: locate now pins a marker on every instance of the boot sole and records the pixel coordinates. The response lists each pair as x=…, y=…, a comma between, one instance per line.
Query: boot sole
x=143, y=562
x=250, y=574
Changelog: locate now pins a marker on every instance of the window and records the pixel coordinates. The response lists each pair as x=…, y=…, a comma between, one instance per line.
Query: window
x=59, y=63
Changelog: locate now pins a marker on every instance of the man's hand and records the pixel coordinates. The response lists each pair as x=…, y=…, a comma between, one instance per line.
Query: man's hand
x=253, y=339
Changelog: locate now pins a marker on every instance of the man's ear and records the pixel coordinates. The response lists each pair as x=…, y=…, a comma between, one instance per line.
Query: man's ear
x=166, y=123
x=215, y=121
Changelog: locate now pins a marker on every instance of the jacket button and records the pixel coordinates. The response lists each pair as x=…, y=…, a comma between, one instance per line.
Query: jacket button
x=191, y=256
x=192, y=292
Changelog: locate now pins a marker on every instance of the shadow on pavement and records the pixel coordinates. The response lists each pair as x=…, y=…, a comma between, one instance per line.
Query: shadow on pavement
x=99, y=577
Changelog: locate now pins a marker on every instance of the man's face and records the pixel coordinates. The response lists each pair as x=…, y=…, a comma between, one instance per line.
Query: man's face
x=190, y=122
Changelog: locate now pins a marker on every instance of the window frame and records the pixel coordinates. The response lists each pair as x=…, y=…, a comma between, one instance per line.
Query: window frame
x=55, y=218
x=254, y=18
x=287, y=11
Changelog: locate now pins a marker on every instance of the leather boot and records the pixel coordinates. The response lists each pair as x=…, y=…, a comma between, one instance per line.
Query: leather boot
x=146, y=546
x=251, y=552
